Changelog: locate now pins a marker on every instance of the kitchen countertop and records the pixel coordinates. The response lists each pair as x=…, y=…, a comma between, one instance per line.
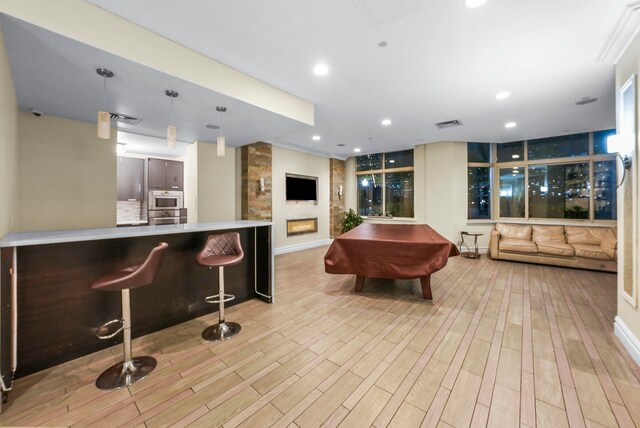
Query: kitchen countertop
x=77, y=235
x=132, y=223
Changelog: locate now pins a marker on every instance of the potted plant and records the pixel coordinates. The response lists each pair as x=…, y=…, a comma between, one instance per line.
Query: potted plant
x=351, y=220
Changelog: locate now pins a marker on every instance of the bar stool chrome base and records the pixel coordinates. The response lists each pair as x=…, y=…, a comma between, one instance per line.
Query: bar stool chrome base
x=221, y=331
x=117, y=376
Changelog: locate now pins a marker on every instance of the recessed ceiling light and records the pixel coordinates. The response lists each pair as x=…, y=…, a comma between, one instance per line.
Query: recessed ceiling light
x=383, y=44
x=474, y=3
x=502, y=95
x=210, y=126
x=386, y=122
x=356, y=150
x=510, y=125
x=316, y=138
x=320, y=69
x=341, y=145
x=515, y=156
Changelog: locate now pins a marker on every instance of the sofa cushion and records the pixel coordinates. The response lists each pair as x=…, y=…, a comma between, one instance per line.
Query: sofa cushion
x=591, y=252
x=515, y=231
x=517, y=245
x=585, y=234
x=548, y=234
x=556, y=249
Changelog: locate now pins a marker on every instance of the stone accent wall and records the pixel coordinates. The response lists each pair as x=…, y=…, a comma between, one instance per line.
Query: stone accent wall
x=336, y=201
x=256, y=164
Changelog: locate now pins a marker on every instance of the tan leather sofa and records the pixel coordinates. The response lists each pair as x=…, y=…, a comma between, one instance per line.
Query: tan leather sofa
x=585, y=247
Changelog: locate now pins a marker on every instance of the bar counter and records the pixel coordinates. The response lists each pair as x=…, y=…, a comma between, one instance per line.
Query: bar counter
x=48, y=314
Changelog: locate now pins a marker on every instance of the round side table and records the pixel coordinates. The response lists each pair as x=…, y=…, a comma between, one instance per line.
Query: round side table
x=465, y=248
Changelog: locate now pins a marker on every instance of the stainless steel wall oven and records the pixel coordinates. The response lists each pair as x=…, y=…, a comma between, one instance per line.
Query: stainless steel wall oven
x=165, y=206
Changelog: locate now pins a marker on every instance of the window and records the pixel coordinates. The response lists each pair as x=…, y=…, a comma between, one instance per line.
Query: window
x=511, y=192
x=559, y=191
x=385, y=184
x=479, y=192
x=370, y=194
x=558, y=147
x=510, y=152
x=479, y=152
x=479, y=180
x=600, y=141
x=566, y=177
x=604, y=190
x=369, y=162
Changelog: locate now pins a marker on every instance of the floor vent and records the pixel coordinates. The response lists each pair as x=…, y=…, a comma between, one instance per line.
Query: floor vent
x=125, y=119
x=448, y=124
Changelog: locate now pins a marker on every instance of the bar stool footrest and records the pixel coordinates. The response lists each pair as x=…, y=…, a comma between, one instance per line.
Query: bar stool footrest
x=116, y=376
x=216, y=298
x=221, y=331
x=103, y=331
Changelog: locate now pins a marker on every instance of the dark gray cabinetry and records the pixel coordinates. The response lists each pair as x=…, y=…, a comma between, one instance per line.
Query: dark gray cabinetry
x=130, y=179
x=174, y=175
x=165, y=174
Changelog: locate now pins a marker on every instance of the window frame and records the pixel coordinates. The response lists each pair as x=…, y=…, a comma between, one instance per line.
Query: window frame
x=590, y=158
x=384, y=172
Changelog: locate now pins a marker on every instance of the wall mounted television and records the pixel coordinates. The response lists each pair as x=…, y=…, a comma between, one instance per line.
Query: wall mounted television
x=301, y=188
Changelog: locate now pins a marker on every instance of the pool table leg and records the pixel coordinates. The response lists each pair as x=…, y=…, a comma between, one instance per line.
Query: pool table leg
x=359, y=283
x=425, y=281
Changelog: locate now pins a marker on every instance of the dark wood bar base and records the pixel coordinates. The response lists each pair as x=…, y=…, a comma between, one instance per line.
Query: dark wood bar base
x=58, y=313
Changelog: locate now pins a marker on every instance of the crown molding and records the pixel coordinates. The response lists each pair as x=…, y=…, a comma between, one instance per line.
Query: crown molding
x=622, y=34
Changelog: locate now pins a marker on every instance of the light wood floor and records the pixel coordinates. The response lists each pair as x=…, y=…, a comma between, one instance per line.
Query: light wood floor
x=502, y=344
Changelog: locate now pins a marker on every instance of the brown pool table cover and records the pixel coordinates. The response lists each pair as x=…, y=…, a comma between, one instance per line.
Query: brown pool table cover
x=394, y=251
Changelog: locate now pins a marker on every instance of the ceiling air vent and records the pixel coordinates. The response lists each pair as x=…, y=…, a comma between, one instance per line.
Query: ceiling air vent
x=448, y=124
x=125, y=119
x=586, y=100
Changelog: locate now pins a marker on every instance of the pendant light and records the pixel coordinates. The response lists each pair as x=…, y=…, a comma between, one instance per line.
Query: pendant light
x=171, y=130
x=104, y=117
x=221, y=141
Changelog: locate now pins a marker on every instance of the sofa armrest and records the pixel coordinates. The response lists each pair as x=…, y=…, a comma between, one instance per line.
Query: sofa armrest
x=493, y=244
x=609, y=244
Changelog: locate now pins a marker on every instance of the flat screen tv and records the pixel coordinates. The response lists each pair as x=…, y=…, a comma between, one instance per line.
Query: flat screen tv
x=301, y=188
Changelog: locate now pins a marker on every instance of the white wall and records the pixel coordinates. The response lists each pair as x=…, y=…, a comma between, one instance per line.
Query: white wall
x=445, y=192
x=8, y=143
x=628, y=263
x=238, y=183
x=288, y=161
x=66, y=175
x=191, y=183
x=216, y=181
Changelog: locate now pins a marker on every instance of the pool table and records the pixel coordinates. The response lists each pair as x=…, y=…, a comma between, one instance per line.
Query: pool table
x=393, y=251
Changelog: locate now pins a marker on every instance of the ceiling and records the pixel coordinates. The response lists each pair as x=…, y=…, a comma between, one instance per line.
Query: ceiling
x=442, y=61
x=57, y=76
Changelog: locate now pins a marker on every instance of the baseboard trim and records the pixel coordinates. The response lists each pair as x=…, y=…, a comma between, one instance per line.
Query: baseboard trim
x=300, y=247
x=629, y=341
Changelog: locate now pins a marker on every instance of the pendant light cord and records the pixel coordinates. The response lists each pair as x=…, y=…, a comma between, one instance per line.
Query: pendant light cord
x=171, y=112
x=104, y=92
